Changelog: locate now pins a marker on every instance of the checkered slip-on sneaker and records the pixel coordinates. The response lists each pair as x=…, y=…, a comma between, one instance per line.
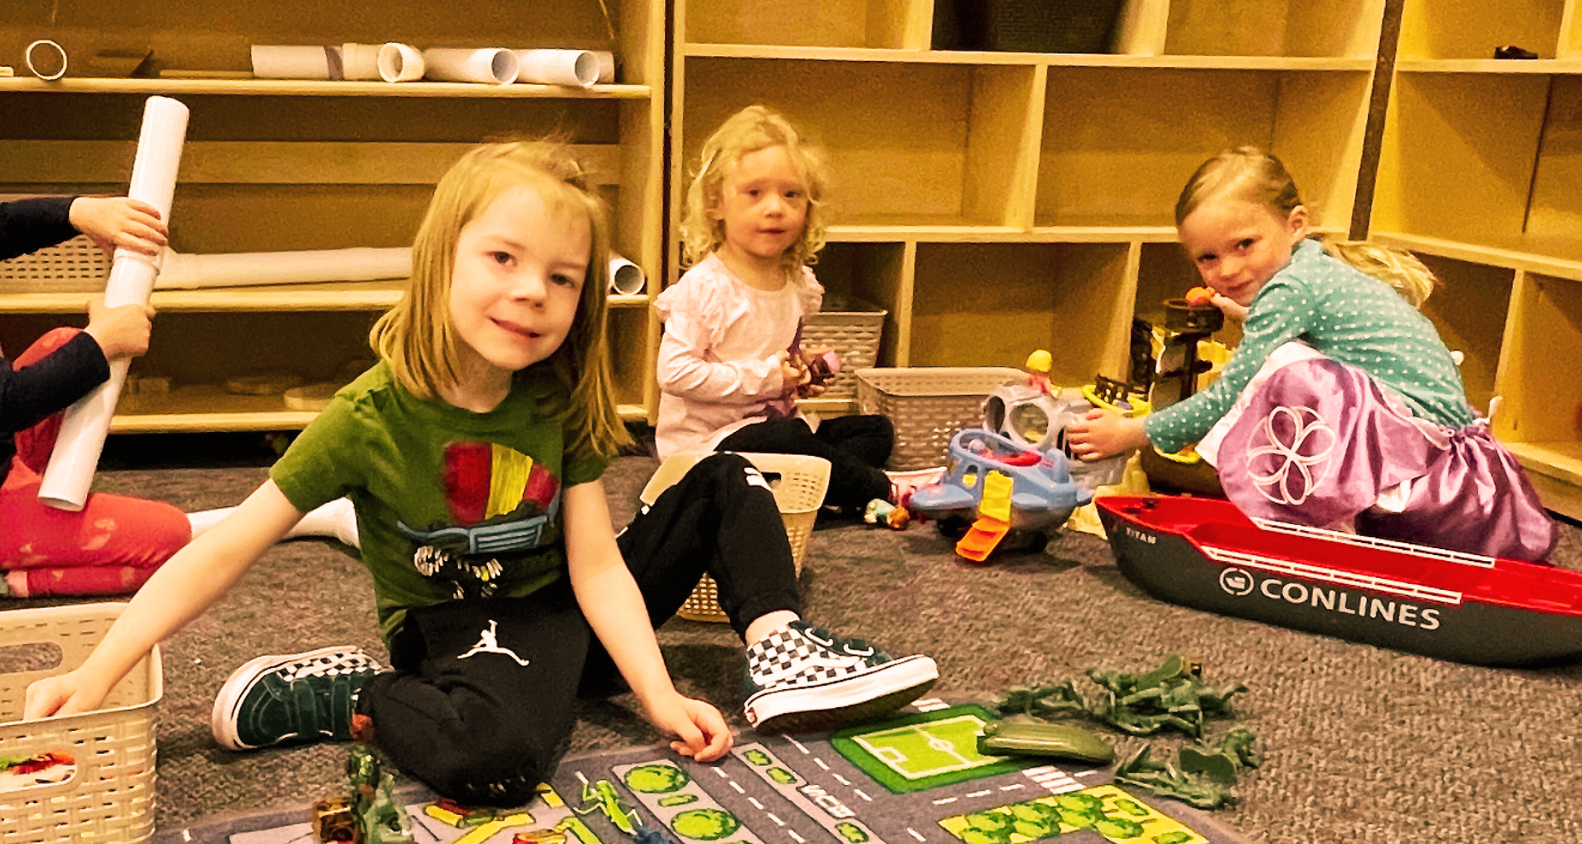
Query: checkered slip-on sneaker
x=805, y=679
x=297, y=699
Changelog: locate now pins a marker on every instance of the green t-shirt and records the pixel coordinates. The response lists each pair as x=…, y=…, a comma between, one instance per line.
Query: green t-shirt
x=450, y=503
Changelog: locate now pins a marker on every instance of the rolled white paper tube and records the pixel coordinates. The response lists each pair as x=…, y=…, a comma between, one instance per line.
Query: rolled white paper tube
x=360, y=61
x=489, y=65
x=400, y=63
x=626, y=278
x=272, y=61
x=50, y=63
x=574, y=68
x=237, y=269
x=69, y=474
x=606, y=66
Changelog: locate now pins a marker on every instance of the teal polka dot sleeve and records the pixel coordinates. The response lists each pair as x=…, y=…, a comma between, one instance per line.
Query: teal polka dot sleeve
x=1345, y=314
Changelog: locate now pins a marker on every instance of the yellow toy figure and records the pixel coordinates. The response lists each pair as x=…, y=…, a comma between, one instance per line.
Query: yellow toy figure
x=1037, y=366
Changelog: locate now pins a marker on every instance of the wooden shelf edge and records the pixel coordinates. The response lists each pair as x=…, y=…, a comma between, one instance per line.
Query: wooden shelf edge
x=272, y=420
x=1559, y=461
x=1491, y=67
x=835, y=406
x=1477, y=254
x=272, y=298
x=978, y=57
x=316, y=88
x=966, y=233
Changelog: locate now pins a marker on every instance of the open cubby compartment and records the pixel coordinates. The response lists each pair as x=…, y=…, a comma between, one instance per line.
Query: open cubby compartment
x=1469, y=308
x=218, y=34
x=357, y=172
x=908, y=144
x=878, y=24
x=626, y=335
x=1339, y=29
x=1118, y=144
x=870, y=274
x=1458, y=160
x=1541, y=397
x=993, y=304
x=1473, y=29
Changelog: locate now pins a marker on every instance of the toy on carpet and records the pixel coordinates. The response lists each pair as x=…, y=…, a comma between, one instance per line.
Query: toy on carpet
x=370, y=815
x=892, y=516
x=1172, y=696
x=1037, y=738
x=1209, y=555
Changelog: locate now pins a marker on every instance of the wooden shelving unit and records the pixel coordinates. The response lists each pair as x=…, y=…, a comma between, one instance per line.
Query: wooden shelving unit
x=995, y=203
x=1478, y=175
x=275, y=165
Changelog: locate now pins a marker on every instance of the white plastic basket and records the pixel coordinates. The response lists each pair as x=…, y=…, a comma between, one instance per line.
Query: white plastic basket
x=76, y=266
x=109, y=793
x=799, y=483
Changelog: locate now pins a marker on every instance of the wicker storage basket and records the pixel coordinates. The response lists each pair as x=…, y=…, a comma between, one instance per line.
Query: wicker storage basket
x=110, y=795
x=799, y=492
x=76, y=266
x=852, y=329
x=928, y=405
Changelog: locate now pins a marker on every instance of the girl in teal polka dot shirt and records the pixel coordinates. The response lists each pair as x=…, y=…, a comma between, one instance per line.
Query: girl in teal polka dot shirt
x=1341, y=407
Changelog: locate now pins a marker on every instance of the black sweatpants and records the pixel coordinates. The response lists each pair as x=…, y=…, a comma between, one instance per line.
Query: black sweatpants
x=855, y=446
x=483, y=691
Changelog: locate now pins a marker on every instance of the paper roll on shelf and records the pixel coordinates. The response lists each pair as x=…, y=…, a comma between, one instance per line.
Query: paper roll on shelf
x=276, y=61
x=46, y=59
x=573, y=68
x=606, y=66
x=360, y=62
x=490, y=65
x=626, y=278
x=241, y=269
x=400, y=63
x=69, y=474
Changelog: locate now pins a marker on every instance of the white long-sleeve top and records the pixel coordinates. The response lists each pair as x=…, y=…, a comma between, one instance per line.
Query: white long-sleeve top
x=718, y=369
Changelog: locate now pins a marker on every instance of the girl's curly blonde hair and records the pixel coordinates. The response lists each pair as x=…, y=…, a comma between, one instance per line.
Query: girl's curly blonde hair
x=1250, y=173
x=747, y=131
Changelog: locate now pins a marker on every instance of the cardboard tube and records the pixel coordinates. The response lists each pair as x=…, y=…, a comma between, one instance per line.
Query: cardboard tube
x=271, y=61
x=50, y=62
x=606, y=66
x=240, y=269
x=69, y=474
x=626, y=278
x=400, y=63
x=360, y=61
x=491, y=65
x=573, y=68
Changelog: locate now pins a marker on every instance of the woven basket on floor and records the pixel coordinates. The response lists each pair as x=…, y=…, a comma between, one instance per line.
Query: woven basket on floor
x=110, y=794
x=799, y=483
x=928, y=405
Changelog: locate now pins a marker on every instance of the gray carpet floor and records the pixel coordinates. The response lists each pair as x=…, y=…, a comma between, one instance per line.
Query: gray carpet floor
x=1362, y=744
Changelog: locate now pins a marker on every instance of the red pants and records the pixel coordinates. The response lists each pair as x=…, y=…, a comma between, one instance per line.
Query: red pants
x=109, y=548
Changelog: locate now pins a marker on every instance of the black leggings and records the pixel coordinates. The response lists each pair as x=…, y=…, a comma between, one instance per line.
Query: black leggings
x=855, y=446
x=461, y=711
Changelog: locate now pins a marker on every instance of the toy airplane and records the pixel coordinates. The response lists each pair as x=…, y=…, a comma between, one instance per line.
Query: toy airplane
x=1207, y=554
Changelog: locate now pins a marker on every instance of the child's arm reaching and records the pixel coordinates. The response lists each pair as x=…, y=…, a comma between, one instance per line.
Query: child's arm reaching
x=614, y=607
x=180, y=591
x=120, y=221
x=1104, y=433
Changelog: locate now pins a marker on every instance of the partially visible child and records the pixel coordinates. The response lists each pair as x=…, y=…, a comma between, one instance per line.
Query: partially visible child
x=1341, y=407
x=115, y=542
x=729, y=368
x=473, y=452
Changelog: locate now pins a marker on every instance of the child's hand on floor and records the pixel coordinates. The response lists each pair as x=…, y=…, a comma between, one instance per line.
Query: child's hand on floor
x=119, y=221
x=121, y=332
x=700, y=728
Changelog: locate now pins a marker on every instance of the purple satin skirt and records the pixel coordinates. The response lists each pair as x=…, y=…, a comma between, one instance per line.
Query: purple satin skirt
x=1315, y=442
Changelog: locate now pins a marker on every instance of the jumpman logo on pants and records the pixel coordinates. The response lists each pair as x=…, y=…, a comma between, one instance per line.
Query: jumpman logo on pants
x=488, y=644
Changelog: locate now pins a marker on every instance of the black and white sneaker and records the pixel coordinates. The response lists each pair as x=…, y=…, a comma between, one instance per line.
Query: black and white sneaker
x=296, y=699
x=804, y=679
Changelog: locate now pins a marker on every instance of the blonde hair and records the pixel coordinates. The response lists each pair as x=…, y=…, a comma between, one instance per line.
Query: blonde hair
x=417, y=337
x=1253, y=175
x=747, y=131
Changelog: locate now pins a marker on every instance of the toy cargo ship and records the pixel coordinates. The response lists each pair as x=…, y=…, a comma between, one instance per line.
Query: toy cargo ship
x=1207, y=554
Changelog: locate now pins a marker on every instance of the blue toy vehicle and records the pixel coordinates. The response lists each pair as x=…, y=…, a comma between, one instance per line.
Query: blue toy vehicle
x=999, y=486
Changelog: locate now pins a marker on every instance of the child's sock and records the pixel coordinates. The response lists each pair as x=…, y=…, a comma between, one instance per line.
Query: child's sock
x=336, y=520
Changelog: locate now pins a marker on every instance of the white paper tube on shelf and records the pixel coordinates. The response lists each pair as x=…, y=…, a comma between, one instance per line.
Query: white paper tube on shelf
x=606, y=66
x=274, y=61
x=491, y=65
x=241, y=269
x=360, y=61
x=69, y=474
x=626, y=278
x=46, y=59
x=400, y=63
x=573, y=68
